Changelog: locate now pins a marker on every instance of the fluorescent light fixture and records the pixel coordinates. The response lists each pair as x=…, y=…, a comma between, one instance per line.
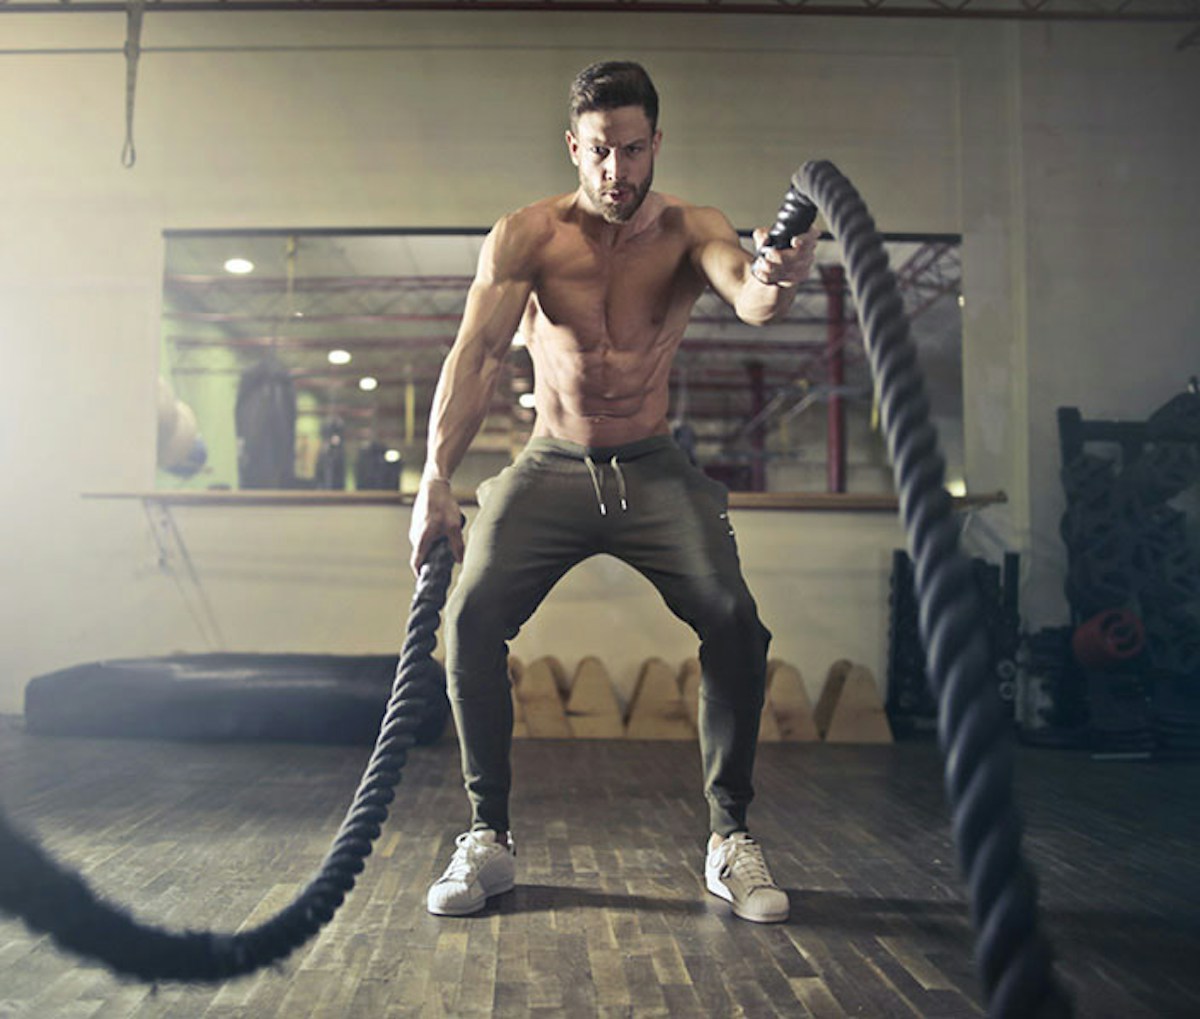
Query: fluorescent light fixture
x=527, y=401
x=239, y=266
x=392, y=456
x=368, y=383
x=339, y=357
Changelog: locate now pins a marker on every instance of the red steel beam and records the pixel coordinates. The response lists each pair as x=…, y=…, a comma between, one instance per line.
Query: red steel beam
x=717, y=382
x=690, y=344
x=228, y=317
x=315, y=283
x=314, y=343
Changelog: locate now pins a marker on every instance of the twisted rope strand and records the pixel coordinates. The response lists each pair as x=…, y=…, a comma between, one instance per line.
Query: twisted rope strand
x=56, y=901
x=1013, y=957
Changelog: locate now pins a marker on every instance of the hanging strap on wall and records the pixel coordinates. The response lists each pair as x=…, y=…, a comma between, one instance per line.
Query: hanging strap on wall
x=133, y=50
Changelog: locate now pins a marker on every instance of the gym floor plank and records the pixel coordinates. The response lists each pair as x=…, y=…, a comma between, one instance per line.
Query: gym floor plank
x=610, y=917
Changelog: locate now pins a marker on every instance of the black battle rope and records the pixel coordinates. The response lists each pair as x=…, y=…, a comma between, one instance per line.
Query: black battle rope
x=55, y=900
x=1013, y=957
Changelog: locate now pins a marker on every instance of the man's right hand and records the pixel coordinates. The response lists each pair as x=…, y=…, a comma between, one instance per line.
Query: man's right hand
x=435, y=514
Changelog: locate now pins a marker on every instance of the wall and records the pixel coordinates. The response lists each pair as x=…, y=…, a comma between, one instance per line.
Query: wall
x=1111, y=139
x=1079, y=223
x=449, y=120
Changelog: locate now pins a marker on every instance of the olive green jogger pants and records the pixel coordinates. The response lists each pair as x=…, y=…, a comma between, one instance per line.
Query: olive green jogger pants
x=646, y=504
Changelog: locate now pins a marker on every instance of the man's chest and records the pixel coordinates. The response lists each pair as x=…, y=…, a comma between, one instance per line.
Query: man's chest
x=615, y=290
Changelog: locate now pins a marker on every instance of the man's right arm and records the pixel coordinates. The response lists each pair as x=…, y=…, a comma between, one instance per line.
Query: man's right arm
x=495, y=304
x=734, y=273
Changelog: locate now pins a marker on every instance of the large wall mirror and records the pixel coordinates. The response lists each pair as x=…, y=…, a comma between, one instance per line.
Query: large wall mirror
x=307, y=359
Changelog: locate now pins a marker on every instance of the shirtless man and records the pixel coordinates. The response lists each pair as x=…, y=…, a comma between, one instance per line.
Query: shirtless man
x=600, y=282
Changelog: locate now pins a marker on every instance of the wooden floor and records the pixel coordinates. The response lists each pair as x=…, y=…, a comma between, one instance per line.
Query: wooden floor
x=610, y=918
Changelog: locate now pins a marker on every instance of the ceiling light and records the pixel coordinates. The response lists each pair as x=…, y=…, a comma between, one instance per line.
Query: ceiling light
x=239, y=266
x=962, y=301
x=367, y=383
x=956, y=487
x=339, y=357
x=527, y=401
x=392, y=456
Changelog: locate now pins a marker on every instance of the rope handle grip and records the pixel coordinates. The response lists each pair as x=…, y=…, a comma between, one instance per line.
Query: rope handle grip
x=795, y=216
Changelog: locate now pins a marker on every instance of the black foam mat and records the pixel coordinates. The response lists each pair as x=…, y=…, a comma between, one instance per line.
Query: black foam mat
x=311, y=698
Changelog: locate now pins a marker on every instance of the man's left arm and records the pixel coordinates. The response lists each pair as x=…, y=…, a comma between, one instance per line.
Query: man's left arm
x=760, y=290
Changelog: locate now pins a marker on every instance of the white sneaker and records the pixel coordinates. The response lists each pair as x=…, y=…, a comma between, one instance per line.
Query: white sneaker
x=481, y=867
x=737, y=872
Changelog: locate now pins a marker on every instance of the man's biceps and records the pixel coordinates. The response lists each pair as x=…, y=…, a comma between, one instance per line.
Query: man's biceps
x=713, y=258
x=725, y=262
x=486, y=304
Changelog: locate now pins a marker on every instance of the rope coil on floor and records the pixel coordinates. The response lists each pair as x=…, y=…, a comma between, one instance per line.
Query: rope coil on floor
x=1013, y=957
x=56, y=901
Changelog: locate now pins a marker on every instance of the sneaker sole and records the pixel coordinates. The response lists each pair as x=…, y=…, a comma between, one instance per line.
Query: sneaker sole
x=721, y=892
x=475, y=905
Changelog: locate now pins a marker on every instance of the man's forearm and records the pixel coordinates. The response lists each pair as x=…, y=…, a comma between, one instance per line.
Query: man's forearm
x=762, y=303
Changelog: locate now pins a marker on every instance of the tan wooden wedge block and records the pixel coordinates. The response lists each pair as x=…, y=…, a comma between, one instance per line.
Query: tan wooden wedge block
x=593, y=711
x=658, y=710
x=789, y=698
x=858, y=715
x=562, y=679
x=689, y=688
x=541, y=701
x=830, y=692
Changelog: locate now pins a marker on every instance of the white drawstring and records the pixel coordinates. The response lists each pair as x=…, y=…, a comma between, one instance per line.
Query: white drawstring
x=591, y=466
x=620, y=482
x=594, y=472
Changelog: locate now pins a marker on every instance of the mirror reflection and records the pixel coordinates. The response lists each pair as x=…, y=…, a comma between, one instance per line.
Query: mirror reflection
x=308, y=360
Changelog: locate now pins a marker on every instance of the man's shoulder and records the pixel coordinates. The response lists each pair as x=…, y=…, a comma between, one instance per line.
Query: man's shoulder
x=707, y=217
x=516, y=241
x=536, y=219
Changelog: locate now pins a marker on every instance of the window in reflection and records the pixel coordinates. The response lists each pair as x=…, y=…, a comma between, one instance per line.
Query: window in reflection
x=308, y=359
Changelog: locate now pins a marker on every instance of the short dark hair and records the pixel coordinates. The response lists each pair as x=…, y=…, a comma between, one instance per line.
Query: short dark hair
x=613, y=83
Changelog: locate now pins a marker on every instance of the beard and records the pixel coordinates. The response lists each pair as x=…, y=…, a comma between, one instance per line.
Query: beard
x=619, y=211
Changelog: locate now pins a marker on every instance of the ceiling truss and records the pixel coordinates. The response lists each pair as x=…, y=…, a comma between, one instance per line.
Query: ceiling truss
x=1171, y=11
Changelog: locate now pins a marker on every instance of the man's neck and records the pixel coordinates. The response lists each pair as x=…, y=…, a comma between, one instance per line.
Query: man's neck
x=609, y=235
